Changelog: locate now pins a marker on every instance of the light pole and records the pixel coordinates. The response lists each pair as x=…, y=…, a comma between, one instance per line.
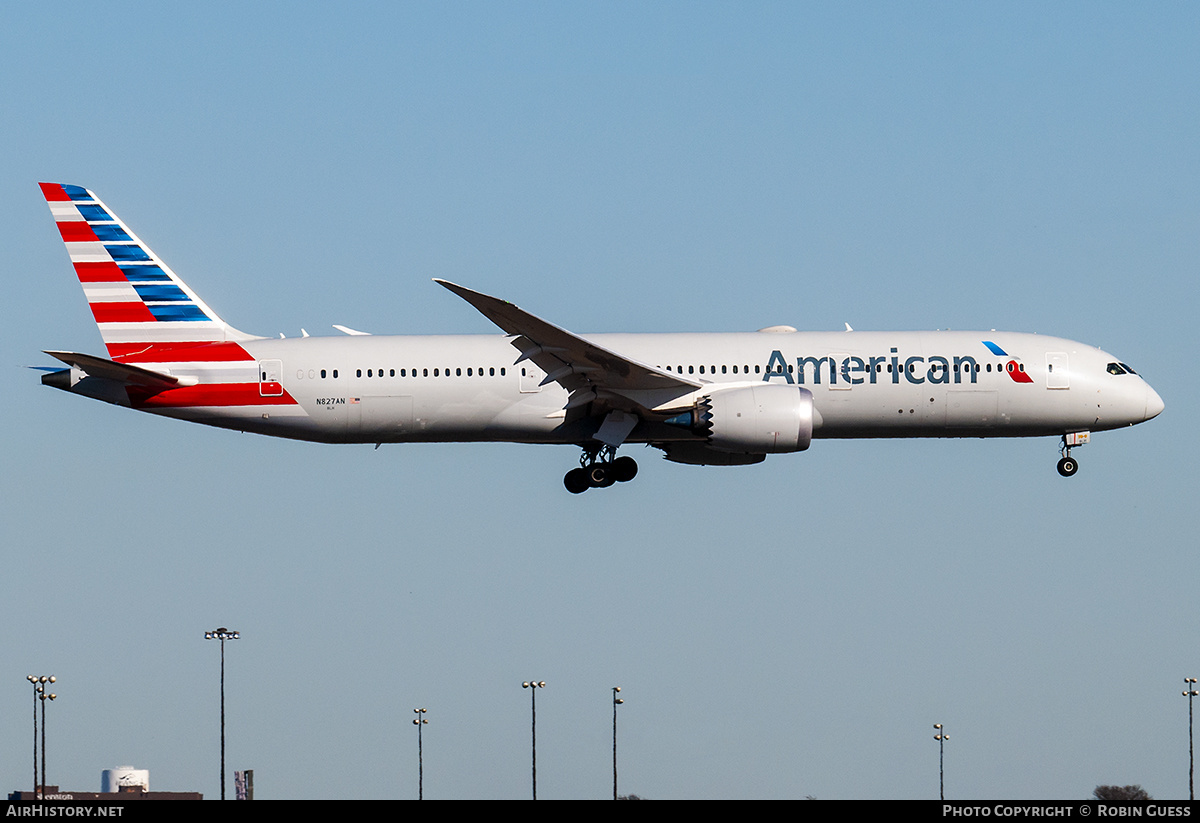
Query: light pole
x=420, y=721
x=533, y=686
x=1189, y=693
x=941, y=737
x=616, y=702
x=37, y=689
x=222, y=634
x=42, y=696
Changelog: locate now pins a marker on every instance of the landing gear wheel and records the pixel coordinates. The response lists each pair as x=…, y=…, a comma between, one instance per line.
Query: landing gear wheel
x=1068, y=466
x=600, y=475
x=576, y=481
x=624, y=469
x=599, y=468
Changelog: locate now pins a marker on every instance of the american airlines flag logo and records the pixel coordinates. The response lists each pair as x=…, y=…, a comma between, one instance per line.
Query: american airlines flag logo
x=1014, y=368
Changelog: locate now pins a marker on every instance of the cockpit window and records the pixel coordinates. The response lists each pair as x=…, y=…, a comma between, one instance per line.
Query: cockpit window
x=1126, y=367
x=1115, y=368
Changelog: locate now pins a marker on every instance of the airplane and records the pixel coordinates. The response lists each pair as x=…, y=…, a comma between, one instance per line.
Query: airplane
x=704, y=399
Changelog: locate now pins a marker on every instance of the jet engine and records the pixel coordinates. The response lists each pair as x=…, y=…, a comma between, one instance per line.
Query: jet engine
x=770, y=418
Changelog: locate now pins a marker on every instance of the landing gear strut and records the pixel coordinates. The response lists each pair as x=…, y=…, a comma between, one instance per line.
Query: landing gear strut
x=1069, y=465
x=599, y=467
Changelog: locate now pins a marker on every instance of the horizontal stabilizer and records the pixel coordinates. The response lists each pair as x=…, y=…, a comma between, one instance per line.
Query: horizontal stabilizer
x=121, y=372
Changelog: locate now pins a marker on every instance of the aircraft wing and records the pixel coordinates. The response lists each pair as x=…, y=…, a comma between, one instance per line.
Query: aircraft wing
x=583, y=368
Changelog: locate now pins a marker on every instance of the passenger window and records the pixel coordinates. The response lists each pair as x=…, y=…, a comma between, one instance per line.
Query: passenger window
x=322, y=374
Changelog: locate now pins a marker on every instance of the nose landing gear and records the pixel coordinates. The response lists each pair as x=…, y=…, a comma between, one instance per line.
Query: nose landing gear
x=599, y=468
x=1069, y=465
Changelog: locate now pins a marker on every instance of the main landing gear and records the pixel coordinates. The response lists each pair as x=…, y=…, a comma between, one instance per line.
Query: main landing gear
x=1069, y=465
x=599, y=467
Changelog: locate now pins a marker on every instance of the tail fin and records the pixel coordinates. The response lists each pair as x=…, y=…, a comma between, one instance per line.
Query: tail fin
x=138, y=302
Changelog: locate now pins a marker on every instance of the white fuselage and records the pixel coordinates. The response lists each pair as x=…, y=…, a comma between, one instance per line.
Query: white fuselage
x=864, y=384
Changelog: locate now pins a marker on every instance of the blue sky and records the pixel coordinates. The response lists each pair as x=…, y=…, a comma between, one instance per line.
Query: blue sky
x=789, y=629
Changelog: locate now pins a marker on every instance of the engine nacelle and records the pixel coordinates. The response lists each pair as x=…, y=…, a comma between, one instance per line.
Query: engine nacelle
x=769, y=418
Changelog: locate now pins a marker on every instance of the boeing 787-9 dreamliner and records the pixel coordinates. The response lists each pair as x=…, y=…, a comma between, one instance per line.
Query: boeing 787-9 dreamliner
x=706, y=399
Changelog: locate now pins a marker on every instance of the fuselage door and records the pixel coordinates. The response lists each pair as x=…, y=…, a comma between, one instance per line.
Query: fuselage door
x=1058, y=372
x=269, y=372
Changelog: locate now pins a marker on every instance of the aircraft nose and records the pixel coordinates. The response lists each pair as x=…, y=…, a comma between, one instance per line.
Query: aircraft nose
x=1154, y=403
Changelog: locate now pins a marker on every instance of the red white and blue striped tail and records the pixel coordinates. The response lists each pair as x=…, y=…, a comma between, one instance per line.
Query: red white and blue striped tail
x=144, y=311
